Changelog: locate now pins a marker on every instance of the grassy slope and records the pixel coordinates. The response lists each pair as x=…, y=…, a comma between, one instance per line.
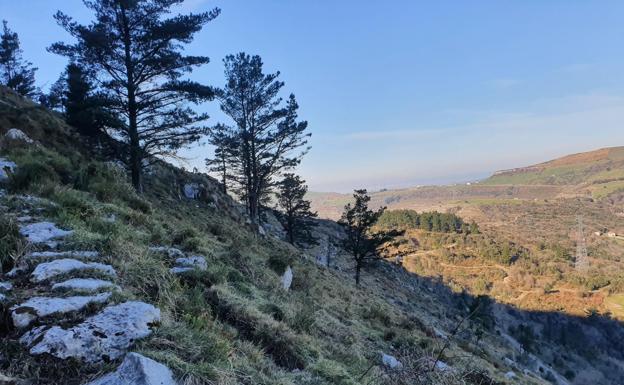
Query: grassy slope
x=232, y=324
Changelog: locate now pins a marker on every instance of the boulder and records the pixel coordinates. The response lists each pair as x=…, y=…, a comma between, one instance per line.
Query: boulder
x=102, y=337
x=287, y=278
x=47, y=270
x=17, y=135
x=37, y=307
x=191, y=190
x=42, y=232
x=137, y=370
x=6, y=167
x=390, y=362
x=509, y=375
x=84, y=285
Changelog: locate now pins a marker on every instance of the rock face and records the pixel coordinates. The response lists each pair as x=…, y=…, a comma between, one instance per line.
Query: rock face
x=4, y=166
x=104, y=336
x=45, y=271
x=287, y=278
x=42, y=232
x=137, y=370
x=36, y=307
x=84, y=285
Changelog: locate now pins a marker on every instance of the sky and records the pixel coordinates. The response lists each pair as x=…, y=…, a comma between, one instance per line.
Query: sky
x=406, y=92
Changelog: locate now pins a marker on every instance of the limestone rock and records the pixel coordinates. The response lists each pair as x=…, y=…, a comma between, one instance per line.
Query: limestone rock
x=6, y=286
x=171, y=252
x=191, y=190
x=104, y=336
x=17, y=135
x=84, y=285
x=390, y=361
x=182, y=265
x=57, y=267
x=42, y=232
x=4, y=165
x=63, y=254
x=137, y=370
x=36, y=307
x=287, y=278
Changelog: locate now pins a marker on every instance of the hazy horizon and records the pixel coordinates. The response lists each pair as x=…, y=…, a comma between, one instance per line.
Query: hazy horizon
x=408, y=93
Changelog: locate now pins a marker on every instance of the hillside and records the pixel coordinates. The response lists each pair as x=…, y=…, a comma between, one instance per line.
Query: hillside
x=594, y=167
x=216, y=303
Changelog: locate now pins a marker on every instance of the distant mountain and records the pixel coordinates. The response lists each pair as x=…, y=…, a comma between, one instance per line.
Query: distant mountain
x=595, y=174
x=606, y=164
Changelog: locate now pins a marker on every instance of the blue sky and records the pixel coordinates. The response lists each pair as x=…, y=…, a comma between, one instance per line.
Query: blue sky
x=399, y=93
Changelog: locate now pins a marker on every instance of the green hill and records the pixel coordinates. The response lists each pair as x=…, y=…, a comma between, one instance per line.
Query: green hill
x=599, y=166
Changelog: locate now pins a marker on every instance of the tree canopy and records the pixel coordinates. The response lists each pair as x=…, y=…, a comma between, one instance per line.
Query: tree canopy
x=134, y=48
x=15, y=72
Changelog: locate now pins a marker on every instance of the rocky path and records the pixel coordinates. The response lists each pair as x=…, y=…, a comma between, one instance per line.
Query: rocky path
x=61, y=304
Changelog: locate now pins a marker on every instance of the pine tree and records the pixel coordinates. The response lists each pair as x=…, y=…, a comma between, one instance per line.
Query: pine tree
x=269, y=139
x=134, y=49
x=358, y=221
x=296, y=212
x=15, y=72
x=223, y=140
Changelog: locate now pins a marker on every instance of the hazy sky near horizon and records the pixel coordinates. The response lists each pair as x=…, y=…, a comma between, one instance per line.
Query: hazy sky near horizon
x=399, y=93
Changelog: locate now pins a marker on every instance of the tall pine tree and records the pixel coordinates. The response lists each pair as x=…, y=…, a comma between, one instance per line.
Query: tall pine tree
x=296, y=212
x=268, y=138
x=134, y=47
x=15, y=72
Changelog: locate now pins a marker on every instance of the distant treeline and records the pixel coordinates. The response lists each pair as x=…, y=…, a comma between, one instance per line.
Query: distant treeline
x=428, y=221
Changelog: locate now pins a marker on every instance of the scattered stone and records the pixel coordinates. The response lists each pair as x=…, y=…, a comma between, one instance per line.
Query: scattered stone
x=2, y=297
x=42, y=232
x=189, y=263
x=4, y=380
x=24, y=218
x=442, y=366
x=137, y=370
x=5, y=165
x=18, y=135
x=84, y=284
x=36, y=307
x=171, y=252
x=63, y=254
x=48, y=270
x=439, y=333
x=509, y=375
x=287, y=278
x=390, y=361
x=104, y=336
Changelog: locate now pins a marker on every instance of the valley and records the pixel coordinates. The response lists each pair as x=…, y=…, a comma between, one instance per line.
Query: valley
x=537, y=208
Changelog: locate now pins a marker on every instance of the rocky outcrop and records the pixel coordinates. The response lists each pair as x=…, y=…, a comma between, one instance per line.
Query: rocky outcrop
x=42, y=232
x=47, y=270
x=84, y=285
x=17, y=135
x=104, y=336
x=25, y=313
x=137, y=370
